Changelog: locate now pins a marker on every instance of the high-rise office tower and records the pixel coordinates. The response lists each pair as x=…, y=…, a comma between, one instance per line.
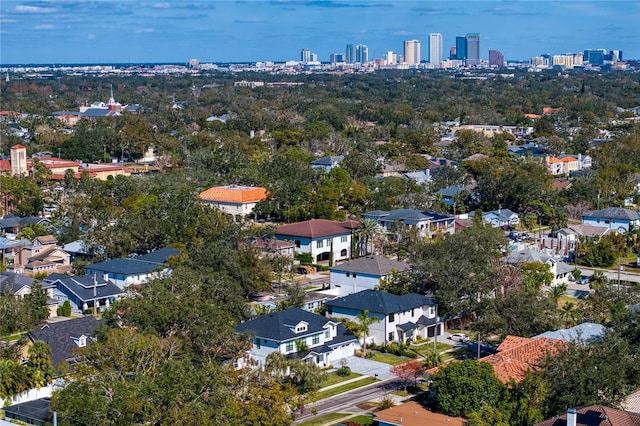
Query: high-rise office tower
x=473, y=49
x=461, y=48
x=412, y=52
x=350, y=54
x=496, y=58
x=335, y=58
x=305, y=55
x=616, y=55
x=435, y=49
x=362, y=53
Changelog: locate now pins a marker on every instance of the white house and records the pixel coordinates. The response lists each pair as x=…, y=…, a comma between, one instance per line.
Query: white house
x=327, y=163
x=614, y=218
x=299, y=334
x=427, y=223
x=499, y=218
x=401, y=318
x=363, y=273
x=235, y=200
x=323, y=239
x=561, y=271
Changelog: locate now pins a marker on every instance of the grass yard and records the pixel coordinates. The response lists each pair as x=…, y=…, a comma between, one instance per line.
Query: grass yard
x=340, y=389
x=327, y=418
x=333, y=378
x=388, y=358
x=13, y=337
x=427, y=348
x=362, y=420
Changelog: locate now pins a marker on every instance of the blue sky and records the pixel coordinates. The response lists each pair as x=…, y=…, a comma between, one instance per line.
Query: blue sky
x=106, y=31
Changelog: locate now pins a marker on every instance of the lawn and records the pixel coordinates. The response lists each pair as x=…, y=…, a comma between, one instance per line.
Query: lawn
x=333, y=378
x=327, y=418
x=13, y=337
x=388, y=358
x=362, y=420
x=427, y=348
x=340, y=389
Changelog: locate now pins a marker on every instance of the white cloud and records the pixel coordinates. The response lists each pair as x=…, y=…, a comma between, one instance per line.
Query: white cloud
x=44, y=27
x=164, y=5
x=23, y=8
x=91, y=36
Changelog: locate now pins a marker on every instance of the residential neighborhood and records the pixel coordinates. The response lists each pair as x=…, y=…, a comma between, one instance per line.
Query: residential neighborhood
x=330, y=249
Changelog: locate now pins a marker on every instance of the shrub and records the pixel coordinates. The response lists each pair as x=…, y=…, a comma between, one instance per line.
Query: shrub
x=386, y=402
x=66, y=308
x=343, y=371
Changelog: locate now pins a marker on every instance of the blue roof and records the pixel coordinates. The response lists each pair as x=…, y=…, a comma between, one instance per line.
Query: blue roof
x=159, y=256
x=381, y=302
x=280, y=325
x=584, y=331
x=83, y=286
x=125, y=266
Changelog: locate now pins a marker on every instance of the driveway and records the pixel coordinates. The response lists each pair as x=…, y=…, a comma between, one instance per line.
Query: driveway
x=369, y=367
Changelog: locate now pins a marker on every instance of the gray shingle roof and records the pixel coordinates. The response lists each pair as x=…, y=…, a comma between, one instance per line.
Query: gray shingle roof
x=372, y=265
x=407, y=214
x=280, y=325
x=125, y=266
x=59, y=336
x=82, y=286
x=381, y=302
x=328, y=160
x=159, y=256
x=613, y=213
x=14, y=282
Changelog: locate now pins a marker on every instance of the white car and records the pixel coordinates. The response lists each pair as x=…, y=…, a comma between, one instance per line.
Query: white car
x=459, y=337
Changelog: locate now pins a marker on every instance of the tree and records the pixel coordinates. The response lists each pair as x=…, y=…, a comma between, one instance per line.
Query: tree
x=464, y=387
x=557, y=291
x=408, y=371
x=365, y=321
x=536, y=276
x=37, y=301
x=366, y=233
x=41, y=369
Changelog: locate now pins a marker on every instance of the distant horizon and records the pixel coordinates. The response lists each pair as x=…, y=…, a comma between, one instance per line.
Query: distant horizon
x=125, y=32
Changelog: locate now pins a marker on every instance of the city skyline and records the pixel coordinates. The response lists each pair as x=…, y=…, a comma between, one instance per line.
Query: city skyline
x=70, y=31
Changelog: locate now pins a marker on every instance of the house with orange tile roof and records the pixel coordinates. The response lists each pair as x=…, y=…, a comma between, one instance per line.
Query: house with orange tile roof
x=236, y=200
x=518, y=355
x=593, y=415
x=413, y=414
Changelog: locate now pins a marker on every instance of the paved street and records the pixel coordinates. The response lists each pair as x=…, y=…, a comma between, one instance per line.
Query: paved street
x=627, y=274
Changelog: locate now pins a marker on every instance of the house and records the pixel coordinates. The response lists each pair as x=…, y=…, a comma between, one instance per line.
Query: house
x=136, y=270
x=448, y=194
x=36, y=412
x=499, y=218
x=272, y=246
x=297, y=333
x=63, y=337
x=561, y=271
x=527, y=150
x=327, y=163
x=323, y=239
x=236, y=200
x=593, y=415
x=563, y=165
x=10, y=249
x=414, y=414
x=427, y=223
x=363, y=273
x=402, y=318
x=83, y=292
x=15, y=284
x=581, y=332
x=518, y=355
x=570, y=236
x=43, y=255
x=421, y=177
x=614, y=218
x=12, y=224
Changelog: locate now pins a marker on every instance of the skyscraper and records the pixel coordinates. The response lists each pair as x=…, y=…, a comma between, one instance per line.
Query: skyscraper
x=412, y=52
x=461, y=48
x=496, y=58
x=305, y=55
x=435, y=49
x=473, y=49
x=362, y=53
x=350, y=54
x=336, y=58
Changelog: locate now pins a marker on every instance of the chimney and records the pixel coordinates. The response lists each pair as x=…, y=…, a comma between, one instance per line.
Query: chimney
x=572, y=417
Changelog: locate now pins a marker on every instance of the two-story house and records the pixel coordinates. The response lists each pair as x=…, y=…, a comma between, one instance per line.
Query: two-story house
x=327, y=163
x=323, y=239
x=235, y=200
x=297, y=333
x=83, y=292
x=427, y=223
x=499, y=218
x=401, y=318
x=614, y=218
x=561, y=271
x=363, y=273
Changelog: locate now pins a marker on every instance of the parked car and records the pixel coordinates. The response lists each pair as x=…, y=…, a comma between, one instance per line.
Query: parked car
x=583, y=280
x=459, y=337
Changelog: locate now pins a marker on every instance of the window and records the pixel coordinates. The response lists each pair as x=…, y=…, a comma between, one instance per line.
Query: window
x=343, y=239
x=330, y=309
x=327, y=333
x=392, y=317
x=328, y=243
x=319, y=244
x=310, y=306
x=316, y=339
x=289, y=347
x=257, y=343
x=354, y=275
x=297, y=243
x=348, y=274
x=413, y=311
x=390, y=336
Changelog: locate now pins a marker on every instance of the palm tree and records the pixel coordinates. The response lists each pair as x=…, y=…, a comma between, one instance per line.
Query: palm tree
x=364, y=322
x=598, y=280
x=569, y=314
x=367, y=230
x=556, y=292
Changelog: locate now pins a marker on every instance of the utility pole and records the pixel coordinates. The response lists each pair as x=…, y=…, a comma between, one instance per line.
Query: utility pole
x=435, y=334
x=95, y=287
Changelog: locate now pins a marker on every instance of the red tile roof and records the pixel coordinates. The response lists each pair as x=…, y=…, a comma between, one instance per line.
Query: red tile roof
x=234, y=194
x=18, y=146
x=413, y=414
x=316, y=228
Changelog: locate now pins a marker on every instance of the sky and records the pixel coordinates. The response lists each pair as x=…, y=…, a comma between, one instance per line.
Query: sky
x=139, y=31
